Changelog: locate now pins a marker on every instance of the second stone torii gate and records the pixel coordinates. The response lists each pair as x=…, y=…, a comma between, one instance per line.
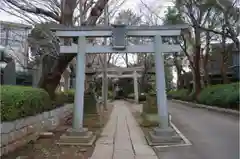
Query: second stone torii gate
x=119, y=34
x=135, y=77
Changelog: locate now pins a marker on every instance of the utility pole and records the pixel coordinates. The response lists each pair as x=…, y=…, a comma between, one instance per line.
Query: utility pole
x=105, y=78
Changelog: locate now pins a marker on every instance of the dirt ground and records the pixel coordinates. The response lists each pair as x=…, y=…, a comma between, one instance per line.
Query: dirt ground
x=46, y=148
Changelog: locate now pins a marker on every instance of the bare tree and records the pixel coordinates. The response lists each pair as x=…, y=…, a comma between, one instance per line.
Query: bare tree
x=62, y=12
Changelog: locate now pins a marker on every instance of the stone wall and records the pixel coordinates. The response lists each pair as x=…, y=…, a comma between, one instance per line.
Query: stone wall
x=19, y=132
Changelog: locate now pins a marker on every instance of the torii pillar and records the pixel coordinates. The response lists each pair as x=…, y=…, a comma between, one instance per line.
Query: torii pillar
x=135, y=81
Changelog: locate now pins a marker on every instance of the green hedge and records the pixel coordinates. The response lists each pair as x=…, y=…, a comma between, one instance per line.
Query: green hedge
x=19, y=101
x=64, y=97
x=225, y=95
x=68, y=97
x=222, y=95
x=182, y=94
x=141, y=97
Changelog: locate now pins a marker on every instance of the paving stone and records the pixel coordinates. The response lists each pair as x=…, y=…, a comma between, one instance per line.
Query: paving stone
x=123, y=154
x=143, y=150
x=102, y=152
x=120, y=136
x=123, y=145
x=105, y=140
x=145, y=157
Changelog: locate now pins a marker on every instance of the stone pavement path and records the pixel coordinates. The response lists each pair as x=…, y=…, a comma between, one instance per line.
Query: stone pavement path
x=122, y=138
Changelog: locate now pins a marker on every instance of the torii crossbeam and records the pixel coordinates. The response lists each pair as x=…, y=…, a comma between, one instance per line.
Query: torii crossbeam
x=119, y=44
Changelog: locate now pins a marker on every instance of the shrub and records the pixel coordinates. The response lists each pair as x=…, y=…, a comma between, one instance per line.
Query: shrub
x=19, y=101
x=90, y=103
x=64, y=97
x=110, y=95
x=60, y=98
x=182, y=94
x=150, y=106
x=130, y=96
x=149, y=120
x=224, y=95
x=142, y=97
x=70, y=95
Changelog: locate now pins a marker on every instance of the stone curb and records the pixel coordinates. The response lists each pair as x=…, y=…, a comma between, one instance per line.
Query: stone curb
x=222, y=110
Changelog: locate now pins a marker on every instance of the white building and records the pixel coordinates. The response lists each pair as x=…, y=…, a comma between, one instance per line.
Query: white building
x=13, y=37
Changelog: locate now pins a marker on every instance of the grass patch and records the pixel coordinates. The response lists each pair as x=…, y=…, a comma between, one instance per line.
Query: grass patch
x=146, y=120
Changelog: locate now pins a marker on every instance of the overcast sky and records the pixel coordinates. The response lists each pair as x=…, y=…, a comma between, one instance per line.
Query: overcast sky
x=157, y=6
x=135, y=5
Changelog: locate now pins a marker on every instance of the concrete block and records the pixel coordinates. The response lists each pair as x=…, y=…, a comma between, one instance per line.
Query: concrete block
x=45, y=115
x=76, y=132
x=34, y=128
x=164, y=132
x=4, y=139
x=46, y=135
x=19, y=132
x=52, y=113
x=53, y=122
x=155, y=140
x=38, y=126
x=20, y=123
x=30, y=120
x=3, y=150
x=46, y=124
x=84, y=140
x=143, y=150
x=7, y=127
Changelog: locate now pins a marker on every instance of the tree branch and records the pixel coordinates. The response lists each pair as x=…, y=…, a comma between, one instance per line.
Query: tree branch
x=96, y=12
x=34, y=10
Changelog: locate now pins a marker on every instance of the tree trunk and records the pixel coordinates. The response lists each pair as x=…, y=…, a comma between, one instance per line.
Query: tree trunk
x=205, y=67
x=205, y=60
x=50, y=81
x=224, y=59
x=179, y=81
x=196, y=59
x=224, y=68
x=206, y=76
x=197, y=81
x=179, y=77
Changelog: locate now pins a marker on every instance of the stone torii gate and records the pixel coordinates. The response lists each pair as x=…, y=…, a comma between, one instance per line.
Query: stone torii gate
x=118, y=33
x=134, y=75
